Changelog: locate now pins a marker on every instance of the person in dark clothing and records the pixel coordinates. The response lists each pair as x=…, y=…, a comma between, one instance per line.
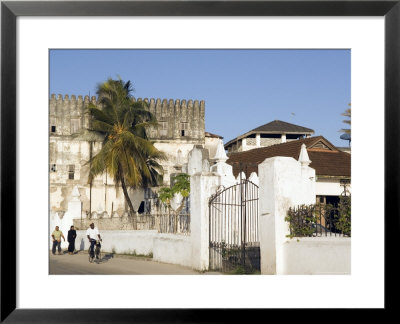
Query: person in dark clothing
x=71, y=240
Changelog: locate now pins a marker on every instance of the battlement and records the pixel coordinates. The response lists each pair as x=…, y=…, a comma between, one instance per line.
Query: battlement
x=178, y=119
x=54, y=99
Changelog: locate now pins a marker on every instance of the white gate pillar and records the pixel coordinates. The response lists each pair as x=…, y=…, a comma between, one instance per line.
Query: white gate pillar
x=202, y=186
x=284, y=183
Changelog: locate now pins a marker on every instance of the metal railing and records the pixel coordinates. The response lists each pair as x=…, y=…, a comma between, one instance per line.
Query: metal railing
x=165, y=223
x=319, y=220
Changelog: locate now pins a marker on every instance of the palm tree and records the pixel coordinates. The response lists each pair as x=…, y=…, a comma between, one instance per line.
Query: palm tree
x=127, y=155
x=347, y=113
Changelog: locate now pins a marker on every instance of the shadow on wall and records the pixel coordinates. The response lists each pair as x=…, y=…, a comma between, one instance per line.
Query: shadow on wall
x=82, y=245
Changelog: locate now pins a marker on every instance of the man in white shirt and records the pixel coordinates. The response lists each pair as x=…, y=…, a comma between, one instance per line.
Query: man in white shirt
x=92, y=233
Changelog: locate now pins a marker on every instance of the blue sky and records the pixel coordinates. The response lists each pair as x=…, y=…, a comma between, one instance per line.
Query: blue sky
x=242, y=89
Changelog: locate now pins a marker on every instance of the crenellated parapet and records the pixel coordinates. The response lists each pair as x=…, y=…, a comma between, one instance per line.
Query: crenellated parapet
x=178, y=119
x=68, y=115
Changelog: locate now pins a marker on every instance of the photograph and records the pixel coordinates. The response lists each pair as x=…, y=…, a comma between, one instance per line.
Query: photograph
x=199, y=161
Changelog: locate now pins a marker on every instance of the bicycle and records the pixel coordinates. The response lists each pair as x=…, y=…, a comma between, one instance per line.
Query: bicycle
x=96, y=253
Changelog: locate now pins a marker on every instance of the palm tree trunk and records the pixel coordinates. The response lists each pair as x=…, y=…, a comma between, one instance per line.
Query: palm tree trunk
x=128, y=200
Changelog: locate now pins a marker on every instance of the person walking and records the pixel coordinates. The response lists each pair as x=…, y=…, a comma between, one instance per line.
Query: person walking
x=71, y=240
x=57, y=235
x=92, y=234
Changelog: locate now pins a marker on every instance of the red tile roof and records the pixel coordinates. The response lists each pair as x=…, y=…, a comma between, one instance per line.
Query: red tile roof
x=326, y=159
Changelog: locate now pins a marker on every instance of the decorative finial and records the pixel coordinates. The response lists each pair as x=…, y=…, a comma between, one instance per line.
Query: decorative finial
x=220, y=154
x=303, y=158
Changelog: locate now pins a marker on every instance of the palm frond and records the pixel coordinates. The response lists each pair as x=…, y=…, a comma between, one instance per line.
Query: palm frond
x=126, y=155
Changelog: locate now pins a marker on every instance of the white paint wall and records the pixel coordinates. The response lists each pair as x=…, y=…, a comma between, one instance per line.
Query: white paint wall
x=175, y=249
x=317, y=255
x=202, y=186
x=211, y=144
x=168, y=248
x=171, y=150
x=329, y=187
x=123, y=242
x=284, y=183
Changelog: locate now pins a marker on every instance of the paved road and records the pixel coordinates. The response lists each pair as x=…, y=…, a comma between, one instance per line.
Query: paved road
x=114, y=265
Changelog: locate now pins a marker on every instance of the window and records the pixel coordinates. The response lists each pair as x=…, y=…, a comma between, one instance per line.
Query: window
x=53, y=168
x=148, y=194
x=141, y=208
x=75, y=125
x=163, y=128
x=71, y=171
x=184, y=129
x=53, y=129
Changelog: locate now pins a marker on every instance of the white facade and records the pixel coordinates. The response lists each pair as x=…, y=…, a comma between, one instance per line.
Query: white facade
x=283, y=183
x=329, y=187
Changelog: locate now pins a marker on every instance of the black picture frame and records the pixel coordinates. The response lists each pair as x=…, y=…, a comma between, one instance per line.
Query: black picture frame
x=10, y=10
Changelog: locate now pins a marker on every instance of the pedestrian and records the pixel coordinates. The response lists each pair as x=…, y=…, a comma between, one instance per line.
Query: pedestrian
x=57, y=235
x=71, y=240
x=92, y=233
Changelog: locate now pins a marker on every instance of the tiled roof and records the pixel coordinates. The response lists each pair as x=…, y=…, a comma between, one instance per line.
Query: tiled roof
x=208, y=134
x=279, y=126
x=275, y=127
x=326, y=159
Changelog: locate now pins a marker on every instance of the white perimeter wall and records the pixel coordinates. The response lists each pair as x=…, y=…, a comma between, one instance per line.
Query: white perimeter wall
x=317, y=255
x=169, y=248
x=129, y=242
x=175, y=249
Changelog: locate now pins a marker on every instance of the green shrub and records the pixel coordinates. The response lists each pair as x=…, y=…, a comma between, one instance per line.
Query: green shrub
x=301, y=219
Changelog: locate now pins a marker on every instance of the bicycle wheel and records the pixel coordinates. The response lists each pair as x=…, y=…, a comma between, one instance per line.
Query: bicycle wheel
x=98, y=254
x=91, y=257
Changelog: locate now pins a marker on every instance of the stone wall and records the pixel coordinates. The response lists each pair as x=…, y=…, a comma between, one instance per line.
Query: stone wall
x=179, y=119
x=70, y=148
x=183, y=120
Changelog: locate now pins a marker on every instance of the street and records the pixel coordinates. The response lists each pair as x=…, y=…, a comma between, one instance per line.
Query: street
x=110, y=264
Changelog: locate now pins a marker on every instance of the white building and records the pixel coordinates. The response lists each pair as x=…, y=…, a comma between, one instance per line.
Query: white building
x=275, y=132
x=332, y=166
x=71, y=146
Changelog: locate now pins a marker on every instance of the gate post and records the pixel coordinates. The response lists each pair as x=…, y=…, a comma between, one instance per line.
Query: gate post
x=202, y=186
x=284, y=183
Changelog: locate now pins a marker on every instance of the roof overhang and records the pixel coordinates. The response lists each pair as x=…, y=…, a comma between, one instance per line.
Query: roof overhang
x=265, y=132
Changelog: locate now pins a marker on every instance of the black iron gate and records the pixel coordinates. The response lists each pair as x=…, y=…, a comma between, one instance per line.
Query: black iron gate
x=234, y=240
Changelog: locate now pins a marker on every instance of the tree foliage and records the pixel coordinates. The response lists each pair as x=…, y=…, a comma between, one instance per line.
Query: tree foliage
x=347, y=114
x=166, y=194
x=343, y=222
x=181, y=185
x=127, y=154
